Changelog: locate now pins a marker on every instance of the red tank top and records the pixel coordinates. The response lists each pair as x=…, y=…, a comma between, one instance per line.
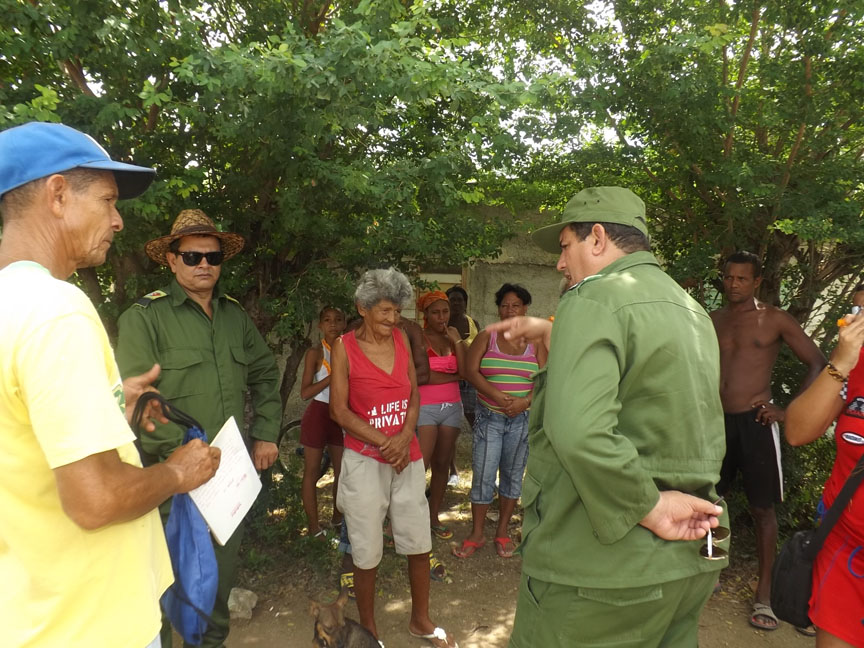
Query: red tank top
x=849, y=438
x=378, y=397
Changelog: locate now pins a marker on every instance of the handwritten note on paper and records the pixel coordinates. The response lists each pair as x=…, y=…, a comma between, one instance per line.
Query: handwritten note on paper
x=228, y=496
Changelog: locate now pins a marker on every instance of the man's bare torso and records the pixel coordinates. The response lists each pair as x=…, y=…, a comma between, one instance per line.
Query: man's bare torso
x=749, y=343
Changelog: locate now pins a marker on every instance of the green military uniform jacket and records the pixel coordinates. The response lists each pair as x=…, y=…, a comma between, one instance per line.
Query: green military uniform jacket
x=628, y=405
x=207, y=365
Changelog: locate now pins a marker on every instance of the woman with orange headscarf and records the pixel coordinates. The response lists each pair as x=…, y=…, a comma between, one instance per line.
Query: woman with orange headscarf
x=440, y=418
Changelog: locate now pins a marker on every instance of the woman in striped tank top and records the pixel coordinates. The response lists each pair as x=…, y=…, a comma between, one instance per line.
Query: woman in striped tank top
x=501, y=370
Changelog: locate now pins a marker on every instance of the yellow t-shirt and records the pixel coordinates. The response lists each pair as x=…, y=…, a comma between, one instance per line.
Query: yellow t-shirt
x=61, y=401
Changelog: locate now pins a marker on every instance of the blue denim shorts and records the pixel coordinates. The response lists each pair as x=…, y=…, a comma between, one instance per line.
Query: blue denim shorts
x=500, y=446
x=344, y=545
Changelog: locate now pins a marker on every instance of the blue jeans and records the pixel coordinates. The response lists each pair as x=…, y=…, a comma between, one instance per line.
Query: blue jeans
x=500, y=445
x=344, y=545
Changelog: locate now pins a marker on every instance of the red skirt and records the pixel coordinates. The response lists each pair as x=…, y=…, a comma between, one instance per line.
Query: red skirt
x=837, y=601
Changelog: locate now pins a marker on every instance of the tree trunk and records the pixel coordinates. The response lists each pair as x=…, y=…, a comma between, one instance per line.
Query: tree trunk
x=289, y=375
x=780, y=249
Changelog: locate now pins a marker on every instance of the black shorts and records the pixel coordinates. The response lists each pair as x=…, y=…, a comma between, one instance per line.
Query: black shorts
x=754, y=449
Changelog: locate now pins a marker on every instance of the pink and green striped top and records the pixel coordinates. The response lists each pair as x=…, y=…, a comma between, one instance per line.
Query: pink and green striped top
x=507, y=373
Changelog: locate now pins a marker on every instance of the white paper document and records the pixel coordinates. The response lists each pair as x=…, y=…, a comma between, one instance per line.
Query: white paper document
x=228, y=496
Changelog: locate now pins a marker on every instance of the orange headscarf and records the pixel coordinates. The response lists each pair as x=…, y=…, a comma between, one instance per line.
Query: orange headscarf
x=430, y=298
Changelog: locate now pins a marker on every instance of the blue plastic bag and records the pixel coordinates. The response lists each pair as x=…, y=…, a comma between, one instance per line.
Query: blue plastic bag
x=189, y=601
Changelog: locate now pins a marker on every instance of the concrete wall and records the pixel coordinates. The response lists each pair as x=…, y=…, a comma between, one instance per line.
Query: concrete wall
x=520, y=262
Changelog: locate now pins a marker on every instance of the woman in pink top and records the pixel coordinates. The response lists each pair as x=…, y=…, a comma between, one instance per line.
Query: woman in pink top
x=440, y=419
x=373, y=396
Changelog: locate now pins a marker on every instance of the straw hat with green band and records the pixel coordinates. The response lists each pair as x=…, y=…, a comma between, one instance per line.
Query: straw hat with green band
x=595, y=205
x=193, y=222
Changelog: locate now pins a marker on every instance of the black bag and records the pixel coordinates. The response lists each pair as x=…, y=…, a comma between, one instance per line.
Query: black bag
x=792, y=574
x=792, y=579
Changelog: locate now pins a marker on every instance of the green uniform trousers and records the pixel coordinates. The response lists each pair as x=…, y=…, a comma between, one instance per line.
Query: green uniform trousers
x=227, y=557
x=663, y=615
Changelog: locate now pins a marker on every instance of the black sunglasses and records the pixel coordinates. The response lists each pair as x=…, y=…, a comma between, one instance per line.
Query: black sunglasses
x=194, y=258
x=710, y=550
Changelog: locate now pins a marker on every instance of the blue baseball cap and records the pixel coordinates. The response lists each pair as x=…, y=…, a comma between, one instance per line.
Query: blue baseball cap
x=40, y=149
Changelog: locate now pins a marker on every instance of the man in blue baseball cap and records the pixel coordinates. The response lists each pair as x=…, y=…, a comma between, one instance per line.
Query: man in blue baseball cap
x=83, y=559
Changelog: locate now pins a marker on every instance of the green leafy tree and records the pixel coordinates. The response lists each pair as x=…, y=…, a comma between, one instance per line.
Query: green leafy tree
x=333, y=137
x=740, y=123
x=741, y=126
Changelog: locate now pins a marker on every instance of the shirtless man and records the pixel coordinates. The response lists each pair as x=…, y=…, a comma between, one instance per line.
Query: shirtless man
x=750, y=333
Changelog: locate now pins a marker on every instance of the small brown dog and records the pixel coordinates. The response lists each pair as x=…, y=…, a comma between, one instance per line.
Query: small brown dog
x=334, y=630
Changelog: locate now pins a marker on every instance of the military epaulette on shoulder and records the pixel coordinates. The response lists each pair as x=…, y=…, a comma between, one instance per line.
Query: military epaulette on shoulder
x=230, y=298
x=147, y=299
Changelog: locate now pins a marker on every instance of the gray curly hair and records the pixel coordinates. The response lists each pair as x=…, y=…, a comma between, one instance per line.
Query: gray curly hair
x=377, y=285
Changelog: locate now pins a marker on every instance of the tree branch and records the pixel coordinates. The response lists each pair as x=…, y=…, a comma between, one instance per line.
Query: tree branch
x=742, y=71
x=289, y=375
x=781, y=144
x=793, y=153
x=787, y=172
x=76, y=73
x=153, y=113
x=651, y=175
x=841, y=15
x=72, y=68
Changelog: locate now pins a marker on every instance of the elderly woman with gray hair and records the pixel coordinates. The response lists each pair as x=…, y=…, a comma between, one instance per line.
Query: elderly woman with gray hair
x=374, y=397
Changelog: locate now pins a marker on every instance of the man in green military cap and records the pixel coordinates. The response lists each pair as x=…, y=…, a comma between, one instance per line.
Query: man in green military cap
x=211, y=354
x=626, y=441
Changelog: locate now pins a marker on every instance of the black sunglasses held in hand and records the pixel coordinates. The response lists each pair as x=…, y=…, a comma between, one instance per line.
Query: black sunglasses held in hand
x=710, y=550
x=194, y=258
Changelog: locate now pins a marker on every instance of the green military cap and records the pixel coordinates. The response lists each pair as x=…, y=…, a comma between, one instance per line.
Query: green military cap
x=595, y=205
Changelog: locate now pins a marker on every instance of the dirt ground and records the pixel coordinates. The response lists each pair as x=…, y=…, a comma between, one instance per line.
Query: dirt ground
x=478, y=603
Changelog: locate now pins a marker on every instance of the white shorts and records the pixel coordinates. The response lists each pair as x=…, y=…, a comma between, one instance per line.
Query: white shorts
x=370, y=490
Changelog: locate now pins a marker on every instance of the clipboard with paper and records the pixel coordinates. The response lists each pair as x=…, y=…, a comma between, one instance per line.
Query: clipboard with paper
x=227, y=497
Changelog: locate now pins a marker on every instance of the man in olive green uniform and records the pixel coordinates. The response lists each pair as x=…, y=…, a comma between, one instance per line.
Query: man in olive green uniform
x=210, y=354
x=626, y=440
